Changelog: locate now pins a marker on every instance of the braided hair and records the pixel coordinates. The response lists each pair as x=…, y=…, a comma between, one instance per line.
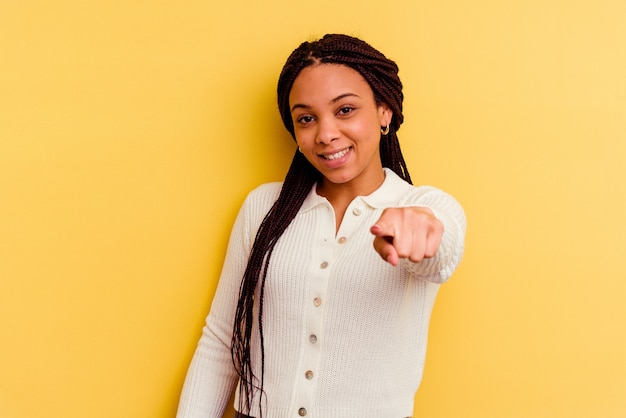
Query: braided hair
x=381, y=74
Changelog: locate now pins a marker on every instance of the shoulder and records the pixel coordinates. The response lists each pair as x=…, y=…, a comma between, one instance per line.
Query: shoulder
x=433, y=198
x=255, y=207
x=406, y=194
x=272, y=188
x=260, y=200
x=266, y=190
x=439, y=201
x=416, y=193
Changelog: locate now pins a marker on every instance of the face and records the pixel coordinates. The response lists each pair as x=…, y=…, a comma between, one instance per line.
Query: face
x=337, y=126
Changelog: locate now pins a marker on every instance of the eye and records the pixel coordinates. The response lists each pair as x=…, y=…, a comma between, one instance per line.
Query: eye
x=304, y=119
x=345, y=110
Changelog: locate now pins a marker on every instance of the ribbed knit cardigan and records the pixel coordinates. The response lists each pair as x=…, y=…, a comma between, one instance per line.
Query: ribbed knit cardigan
x=345, y=332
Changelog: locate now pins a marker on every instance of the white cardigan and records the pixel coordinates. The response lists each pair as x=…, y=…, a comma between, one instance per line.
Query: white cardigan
x=345, y=332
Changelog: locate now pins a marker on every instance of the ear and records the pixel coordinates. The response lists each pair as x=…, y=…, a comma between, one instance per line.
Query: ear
x=384, y=114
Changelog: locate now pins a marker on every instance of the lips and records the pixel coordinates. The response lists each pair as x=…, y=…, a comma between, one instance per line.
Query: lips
x=336, y=155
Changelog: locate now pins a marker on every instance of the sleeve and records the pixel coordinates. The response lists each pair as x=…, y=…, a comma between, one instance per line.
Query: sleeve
x=439, y=268
x=211, y=376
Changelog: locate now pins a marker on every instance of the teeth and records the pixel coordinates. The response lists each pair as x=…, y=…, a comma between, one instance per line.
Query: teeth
x=337, y=154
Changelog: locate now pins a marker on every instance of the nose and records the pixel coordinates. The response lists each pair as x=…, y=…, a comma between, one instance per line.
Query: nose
x=327, y=131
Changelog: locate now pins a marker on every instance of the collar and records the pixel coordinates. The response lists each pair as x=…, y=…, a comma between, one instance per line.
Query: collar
x=388, y=194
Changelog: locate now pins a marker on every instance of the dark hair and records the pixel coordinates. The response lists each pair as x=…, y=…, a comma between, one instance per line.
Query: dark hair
x=381, y=74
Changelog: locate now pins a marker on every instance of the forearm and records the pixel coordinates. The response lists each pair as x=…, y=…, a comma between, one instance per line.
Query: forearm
x=211, y=376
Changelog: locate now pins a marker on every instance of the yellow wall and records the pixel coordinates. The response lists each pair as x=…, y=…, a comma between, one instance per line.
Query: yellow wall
x=130, y=132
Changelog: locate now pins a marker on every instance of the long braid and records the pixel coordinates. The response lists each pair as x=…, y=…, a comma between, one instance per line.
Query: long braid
x=299, y=180
x=382, y=76
x=391, y=155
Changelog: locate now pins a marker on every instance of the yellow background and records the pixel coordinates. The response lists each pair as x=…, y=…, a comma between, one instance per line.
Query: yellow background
x=130, y=132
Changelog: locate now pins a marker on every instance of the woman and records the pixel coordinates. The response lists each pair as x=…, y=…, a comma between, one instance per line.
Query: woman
x=324, y=300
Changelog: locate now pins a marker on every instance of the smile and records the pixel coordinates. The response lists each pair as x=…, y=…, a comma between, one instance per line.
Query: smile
x=336, y=155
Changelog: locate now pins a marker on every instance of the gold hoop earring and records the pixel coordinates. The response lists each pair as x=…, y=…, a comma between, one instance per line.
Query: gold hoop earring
x=385, y=130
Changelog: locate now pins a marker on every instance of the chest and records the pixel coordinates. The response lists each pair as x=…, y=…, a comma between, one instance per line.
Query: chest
x=311, y=259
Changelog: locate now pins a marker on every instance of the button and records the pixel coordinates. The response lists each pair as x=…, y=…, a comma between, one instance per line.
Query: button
x=317, y=301
x=342, y=240
x=312, y=338
x=302, y=412
x=356, y=212
x=324, y=265
x=308, y=375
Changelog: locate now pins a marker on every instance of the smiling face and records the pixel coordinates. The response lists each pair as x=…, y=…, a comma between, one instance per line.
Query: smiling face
x=337, y=127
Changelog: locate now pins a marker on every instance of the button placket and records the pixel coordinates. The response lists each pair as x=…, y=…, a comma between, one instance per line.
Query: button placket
x=356, y=214
x=314, y=309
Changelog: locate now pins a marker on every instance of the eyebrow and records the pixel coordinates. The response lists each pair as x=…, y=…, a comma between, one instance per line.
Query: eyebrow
x=333, y=101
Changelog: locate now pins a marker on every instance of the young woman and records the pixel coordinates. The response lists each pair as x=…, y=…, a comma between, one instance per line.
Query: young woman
x=325, y=296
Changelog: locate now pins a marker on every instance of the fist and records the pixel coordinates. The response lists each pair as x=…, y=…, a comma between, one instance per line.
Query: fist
x=414, y=233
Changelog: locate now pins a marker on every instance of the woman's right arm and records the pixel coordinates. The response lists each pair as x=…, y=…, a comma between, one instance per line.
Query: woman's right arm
x=211, y=377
